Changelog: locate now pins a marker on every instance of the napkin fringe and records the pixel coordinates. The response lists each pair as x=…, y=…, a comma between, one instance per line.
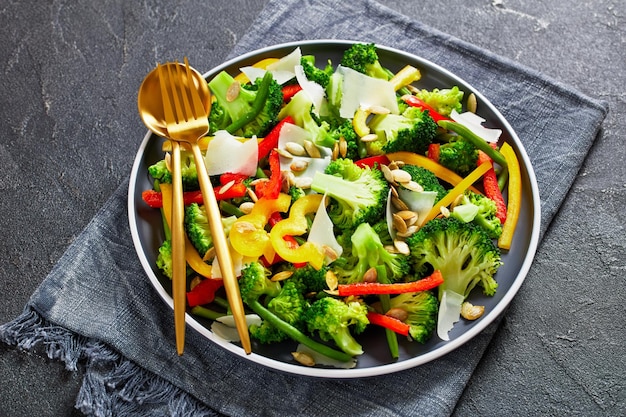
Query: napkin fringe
x=112, y=385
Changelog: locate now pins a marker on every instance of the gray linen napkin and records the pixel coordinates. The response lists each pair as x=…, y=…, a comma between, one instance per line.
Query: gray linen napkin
x=97, y=306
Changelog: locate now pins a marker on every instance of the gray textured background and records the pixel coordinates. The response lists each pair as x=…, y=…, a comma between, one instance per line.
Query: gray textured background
x=69, y=130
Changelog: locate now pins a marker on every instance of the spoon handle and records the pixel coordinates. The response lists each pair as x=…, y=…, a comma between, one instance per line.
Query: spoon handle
x=179, y=281
x=221, y=249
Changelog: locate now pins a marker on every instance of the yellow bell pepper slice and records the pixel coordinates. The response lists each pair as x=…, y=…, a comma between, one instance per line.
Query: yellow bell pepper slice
x=459, y=189
x=192, y=256
x=514, y=197
x=248, y=235
x=295, y=225
x=439, y=170
x=263, y=64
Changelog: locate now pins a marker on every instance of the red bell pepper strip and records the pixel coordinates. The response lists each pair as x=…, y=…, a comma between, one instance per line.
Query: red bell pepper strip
x=270, y=141
x=388, y=322
x=373, y=161
x=289, y=91
x=433, y=151
x=154, y=199
x=369, y=288
x=204, y=292
x=227, y=177
x=413, y=101
x=271, y=189
x=492, y=188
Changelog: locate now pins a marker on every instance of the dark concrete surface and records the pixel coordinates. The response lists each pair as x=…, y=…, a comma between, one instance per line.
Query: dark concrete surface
x=69, y=130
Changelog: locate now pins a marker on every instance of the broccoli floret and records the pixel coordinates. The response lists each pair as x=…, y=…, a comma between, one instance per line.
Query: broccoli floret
x=426, y=179
x=197, y=227
x=412, y=131
x=295, y=193
x=358, y=194
x=382, y=230
x=485, y=213
x=333, y=319
x=421, y=308
x=160, y=171
x=289, y=304
x=164, y=258
x=364, y=59
x=368, y=251
x=444, y=100
x=254, y=283
x=311, y=279
x=315, y=74
x=300, y=108
x=463, y=252
x=226, y=111
x=458, y=155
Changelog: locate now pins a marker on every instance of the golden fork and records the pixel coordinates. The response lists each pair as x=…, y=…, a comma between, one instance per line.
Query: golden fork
x=187, y=121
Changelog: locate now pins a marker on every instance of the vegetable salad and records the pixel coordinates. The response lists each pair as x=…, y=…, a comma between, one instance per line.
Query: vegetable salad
x=352, y=198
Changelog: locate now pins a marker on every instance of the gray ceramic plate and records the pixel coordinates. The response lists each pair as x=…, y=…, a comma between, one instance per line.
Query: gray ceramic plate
x=146, y=228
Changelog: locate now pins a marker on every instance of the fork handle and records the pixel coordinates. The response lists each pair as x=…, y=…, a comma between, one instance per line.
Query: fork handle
x=222, y=251
x=179, y=279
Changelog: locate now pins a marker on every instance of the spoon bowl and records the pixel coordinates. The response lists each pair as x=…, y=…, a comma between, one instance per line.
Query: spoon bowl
x=149, y=100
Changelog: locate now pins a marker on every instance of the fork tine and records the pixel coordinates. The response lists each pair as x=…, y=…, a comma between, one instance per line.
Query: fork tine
x=198, y=107
x=167, y=104
x=174, y=84
x=185, y=87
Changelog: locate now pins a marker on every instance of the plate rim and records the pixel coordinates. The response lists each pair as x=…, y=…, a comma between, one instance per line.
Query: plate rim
x=338, y=373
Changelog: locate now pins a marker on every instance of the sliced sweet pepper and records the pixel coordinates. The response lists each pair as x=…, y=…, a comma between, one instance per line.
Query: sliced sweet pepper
x=270, y=141
x=192, y=256
x=289, y=91
x=514, y=197
x=370, y=288
x=440, y=171
x=204, y=292
x=389, y=322
x=413, y=101
x=271, y=189
x=491, y=187
x=295, y=225
x=248, y=235
x=458, y=189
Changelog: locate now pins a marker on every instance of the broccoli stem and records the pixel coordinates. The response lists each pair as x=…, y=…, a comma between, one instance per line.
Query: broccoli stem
x=257, y=104
x=296, y=334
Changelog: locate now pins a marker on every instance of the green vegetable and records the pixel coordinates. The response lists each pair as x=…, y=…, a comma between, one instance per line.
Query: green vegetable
x=252, y=112
x=412, y=131
x=358, y=194
x=300, y=108
x=333, y=319
x=459, y=156
x=367, y=251
x=311, y=279
x=160, y=172
x=463, y=252
x=486, y=213
x=253, y=285
x=197, y=227
x=421, y=308
x=364, y=59
x=315, y=74
x=426, y=179
x=442, y=101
